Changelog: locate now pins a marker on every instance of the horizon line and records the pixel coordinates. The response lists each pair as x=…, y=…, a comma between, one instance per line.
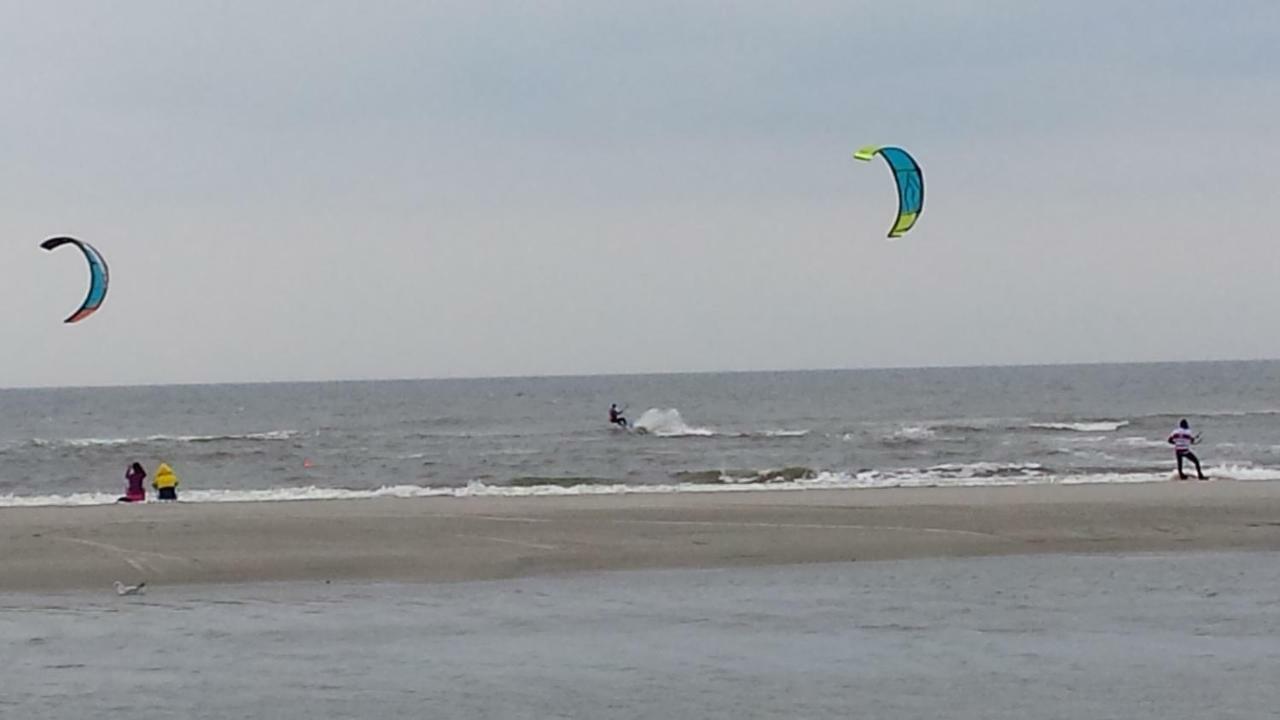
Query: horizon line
x=448, y=378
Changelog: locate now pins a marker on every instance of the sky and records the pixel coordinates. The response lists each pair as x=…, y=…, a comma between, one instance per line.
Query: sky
x=313, y=190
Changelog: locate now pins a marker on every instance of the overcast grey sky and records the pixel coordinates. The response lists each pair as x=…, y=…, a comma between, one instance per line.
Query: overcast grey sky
x=316, y=190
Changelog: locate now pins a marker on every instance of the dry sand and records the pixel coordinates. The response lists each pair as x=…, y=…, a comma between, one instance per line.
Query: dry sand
x=449, y=539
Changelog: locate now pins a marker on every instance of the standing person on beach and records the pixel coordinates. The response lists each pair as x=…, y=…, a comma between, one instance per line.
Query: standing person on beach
x=134, y=490
x=1181, y=439
x=166, y=482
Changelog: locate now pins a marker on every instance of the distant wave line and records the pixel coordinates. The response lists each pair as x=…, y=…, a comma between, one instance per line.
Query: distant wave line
x=993, y=475
x=269, y=435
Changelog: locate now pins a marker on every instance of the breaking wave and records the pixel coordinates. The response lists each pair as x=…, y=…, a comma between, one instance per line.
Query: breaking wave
x=1095, y=426
x=1141, y=442
x=268, y=436
x=911, y=434
x=740, y=477
x=784, y=479
x=781, y=433
x=668, y=423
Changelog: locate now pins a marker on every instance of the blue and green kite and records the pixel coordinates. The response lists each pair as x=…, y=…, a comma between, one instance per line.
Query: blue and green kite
x=906, y=172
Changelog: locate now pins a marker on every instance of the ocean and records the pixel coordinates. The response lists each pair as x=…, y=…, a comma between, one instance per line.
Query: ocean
x=706, y=432
x=1141, y=637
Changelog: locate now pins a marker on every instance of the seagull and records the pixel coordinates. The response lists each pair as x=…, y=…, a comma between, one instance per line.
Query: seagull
x=122, y=589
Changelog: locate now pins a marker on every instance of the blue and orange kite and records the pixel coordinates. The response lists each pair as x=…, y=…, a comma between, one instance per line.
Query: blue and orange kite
x=98, y=276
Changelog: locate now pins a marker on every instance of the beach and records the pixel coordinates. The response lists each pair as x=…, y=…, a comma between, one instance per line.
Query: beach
x=1026, y=603
x=461, y=539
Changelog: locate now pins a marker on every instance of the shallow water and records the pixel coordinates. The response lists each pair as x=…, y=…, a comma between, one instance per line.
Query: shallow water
x=1146, y=636
x=867, y=428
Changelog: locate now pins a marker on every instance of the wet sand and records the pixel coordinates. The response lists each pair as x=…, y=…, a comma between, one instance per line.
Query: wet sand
x=447, y=539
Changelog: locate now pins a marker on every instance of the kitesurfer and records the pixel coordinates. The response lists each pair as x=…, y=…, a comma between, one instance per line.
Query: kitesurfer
x=1181, y=439
x=615, y=416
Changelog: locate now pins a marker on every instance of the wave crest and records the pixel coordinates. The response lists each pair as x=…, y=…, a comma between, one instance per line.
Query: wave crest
x=908, y=434
x=667, y=422
x=268, y=436
x=1093, y=426
x=785, y=479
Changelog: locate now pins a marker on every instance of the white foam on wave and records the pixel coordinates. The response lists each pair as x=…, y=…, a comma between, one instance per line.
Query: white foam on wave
x=981, y=474
x=957, y=475
x=1091, y=427
x=979, y=469
x=821, y=481
x=784, y=433
x=310, y=492
x=667, y=422
x=1141, y=442
x=1243, y=472
x=1247, y=447
x=270, y=435
x=911, y=434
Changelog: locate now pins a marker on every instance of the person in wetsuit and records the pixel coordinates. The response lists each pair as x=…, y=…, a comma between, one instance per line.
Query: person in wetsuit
x=615, y=416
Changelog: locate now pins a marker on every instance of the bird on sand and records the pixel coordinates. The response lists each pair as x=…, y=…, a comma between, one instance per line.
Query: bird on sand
x=122, y=589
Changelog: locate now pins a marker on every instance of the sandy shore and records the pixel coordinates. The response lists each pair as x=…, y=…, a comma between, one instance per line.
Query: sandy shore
x=462, y=539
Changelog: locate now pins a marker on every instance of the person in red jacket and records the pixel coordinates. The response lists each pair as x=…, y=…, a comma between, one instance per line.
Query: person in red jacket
x=134, y=490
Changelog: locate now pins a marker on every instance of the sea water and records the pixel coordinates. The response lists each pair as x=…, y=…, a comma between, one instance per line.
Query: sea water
x=1140, y=637
x=721, y=431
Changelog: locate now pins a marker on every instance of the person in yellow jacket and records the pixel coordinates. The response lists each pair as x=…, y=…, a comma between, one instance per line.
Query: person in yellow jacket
x=166, y=482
